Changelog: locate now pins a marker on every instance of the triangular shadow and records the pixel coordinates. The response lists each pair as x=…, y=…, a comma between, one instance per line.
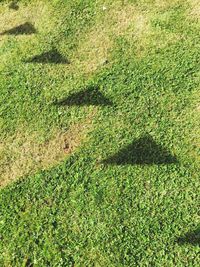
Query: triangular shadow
x=142, y=151
x=86, y=97
x=26, y=29
x=13, y=5
x=50, y=57
x=192, y=238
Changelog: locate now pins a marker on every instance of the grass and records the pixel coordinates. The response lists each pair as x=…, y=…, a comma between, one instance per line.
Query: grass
x=100, y=155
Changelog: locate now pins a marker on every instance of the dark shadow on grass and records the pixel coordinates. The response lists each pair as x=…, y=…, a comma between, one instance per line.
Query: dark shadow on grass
x=13, y=5
x=192, y=238
x=50, y=57
x=142, y=151
x=23, y=29
x=86, y=97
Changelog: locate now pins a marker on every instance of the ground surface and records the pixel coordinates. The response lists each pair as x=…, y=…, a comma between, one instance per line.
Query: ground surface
x=100, y=134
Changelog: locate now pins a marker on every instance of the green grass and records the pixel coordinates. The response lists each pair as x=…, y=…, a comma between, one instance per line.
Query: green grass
x=80, y=209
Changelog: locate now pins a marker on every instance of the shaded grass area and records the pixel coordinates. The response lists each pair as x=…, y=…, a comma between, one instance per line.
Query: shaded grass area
x=52, y=56
x=85, y=97
x=191, y=238
x=116, y=201
x=142, y=151
x=26, y=28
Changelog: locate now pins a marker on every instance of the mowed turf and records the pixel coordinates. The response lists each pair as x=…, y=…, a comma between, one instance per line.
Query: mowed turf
x=100, y=133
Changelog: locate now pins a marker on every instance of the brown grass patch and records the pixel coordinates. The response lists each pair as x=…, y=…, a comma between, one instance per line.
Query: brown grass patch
x=165, y=4
x=37, y=13
x=128, y=20
x=116, y=20
x=194, y=9
x=23, y=154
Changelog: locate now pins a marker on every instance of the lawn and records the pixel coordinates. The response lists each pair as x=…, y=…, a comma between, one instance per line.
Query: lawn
x=100, y=133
